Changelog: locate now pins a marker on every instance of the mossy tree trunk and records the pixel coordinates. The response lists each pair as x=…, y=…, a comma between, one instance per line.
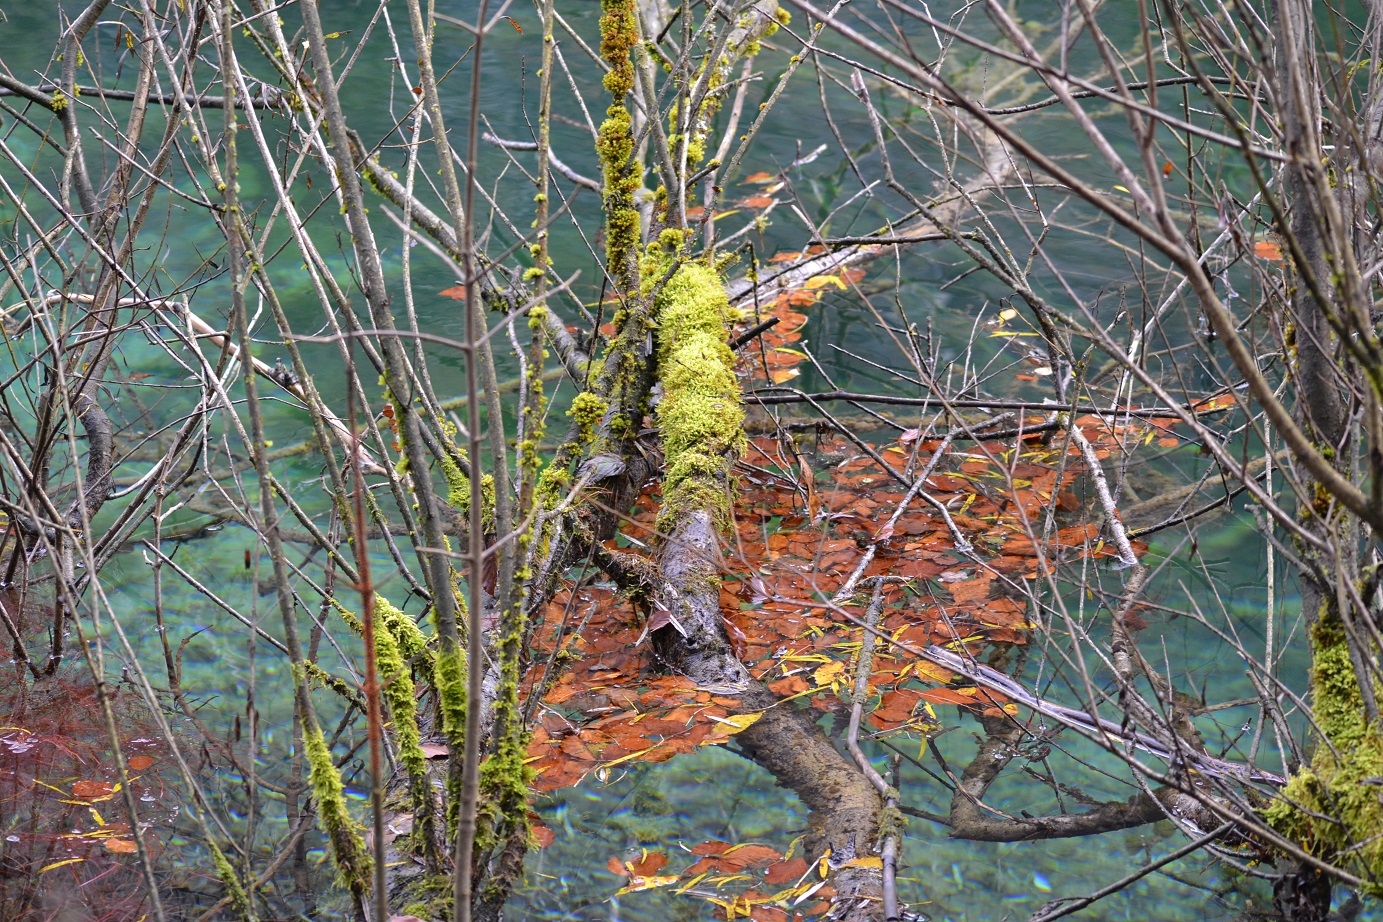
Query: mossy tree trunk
x=1328, y=808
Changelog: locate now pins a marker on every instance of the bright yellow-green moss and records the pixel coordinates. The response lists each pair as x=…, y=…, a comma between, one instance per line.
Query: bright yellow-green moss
x=396, y=680
x=410, y=637
x=1331, y=807
x=452, y=694
x=459, y=489
x=619, y=34
x=347, y=849
x=587, y=410
x=504, y=777
x=452, y=690
x=234, y=891
x=700, y=415
x=320, y=677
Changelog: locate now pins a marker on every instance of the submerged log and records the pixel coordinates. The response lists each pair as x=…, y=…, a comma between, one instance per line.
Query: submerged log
x=702, y=431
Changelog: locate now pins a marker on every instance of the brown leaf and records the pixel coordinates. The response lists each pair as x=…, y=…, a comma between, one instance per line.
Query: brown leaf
x=91, y=790
x=648, y=865
x=786, y=871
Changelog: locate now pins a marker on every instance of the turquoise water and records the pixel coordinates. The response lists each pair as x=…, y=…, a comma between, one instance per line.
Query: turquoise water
x=713, y=793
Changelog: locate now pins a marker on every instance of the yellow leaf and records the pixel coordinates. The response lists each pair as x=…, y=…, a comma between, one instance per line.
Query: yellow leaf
x=864, y=863
x=821, y=281
x=692, y=883
x=646, y=883
x=828, y=674
x=1007, y=314
x=627, y=757
x=58, y=864
x=738, y=721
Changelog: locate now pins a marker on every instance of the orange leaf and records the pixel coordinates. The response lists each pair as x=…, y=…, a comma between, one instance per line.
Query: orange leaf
x=786, y=871
x=760, y=178
x=648, y=865
x=139, y=763
x=1267, y=249
x=779, y=375
x=121, y=846
x=91, y=790
x=458, y=292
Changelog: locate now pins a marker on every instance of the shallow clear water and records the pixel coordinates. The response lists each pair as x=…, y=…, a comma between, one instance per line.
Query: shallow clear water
x=711, y=793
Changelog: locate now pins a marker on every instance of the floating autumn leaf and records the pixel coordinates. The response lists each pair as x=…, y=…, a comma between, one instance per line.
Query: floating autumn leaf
x=829, y=675
x=725, y=858
x=737, y=722
x=1269, y=250
x=121, y=846
x=782, y=375
x=1219, y=402
x=760, y=178
x=758, y=201
x=456, y=292
x=821, y=281
x=92, y=790
x=638, y=884
x=786, y=871
x=798, y=297
x=140, y=762
x=59, y=864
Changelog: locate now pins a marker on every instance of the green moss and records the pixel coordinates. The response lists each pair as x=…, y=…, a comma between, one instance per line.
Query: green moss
x=411, y=640
x=700, y=415
x=1331, y=807
x=347, y=849
x=451, y=691
x=619, y=34
x=396, y=680
x=587, y=410
x=459, y=488
x=319, y=677
x=504, y=778
x=236, y=893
